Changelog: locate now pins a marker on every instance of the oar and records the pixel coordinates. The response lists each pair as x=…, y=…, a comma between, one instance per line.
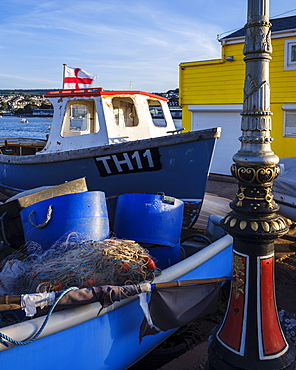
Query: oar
x=189, y=282
x=13, y=302
x=10, y=302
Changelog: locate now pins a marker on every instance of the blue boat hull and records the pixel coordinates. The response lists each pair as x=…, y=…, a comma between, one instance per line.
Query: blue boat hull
x=111, y=340
x=177, y=165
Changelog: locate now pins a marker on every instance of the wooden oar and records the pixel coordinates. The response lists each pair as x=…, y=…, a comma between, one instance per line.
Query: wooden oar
x=10, y=302
x=189, y=282
x=13, y=302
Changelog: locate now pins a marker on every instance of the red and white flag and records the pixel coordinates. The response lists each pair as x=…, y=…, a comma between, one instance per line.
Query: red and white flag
x=77, y=78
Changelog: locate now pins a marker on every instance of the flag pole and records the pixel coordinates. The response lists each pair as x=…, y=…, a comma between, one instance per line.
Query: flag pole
x=64, y=71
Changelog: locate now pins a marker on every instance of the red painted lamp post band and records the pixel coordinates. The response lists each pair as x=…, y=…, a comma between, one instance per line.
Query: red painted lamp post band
x=250, y=335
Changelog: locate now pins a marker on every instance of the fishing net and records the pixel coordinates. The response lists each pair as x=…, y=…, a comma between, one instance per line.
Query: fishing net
x=75, y=262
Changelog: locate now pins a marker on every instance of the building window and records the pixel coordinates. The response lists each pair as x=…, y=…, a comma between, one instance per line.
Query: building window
x=290, y=54
x=289, y=120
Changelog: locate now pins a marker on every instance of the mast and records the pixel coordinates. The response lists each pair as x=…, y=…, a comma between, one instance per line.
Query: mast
x=250, y=336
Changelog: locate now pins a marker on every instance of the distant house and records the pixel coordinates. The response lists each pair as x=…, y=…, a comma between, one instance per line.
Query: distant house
x=42, y=112
x=211, y=93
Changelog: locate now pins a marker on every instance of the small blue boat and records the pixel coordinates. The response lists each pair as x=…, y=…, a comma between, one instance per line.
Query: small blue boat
x=71, y=336
x=89, y=337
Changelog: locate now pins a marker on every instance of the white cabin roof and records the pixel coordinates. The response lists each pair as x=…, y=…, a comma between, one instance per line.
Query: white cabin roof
x=87, y=118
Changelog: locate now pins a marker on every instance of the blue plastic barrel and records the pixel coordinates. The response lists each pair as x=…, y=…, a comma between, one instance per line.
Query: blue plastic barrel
x=84, y=213
x=151, y=219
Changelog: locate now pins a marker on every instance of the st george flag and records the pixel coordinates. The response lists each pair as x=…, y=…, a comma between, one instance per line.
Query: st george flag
x=77, y=78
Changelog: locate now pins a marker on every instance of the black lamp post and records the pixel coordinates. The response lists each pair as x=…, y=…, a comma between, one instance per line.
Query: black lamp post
x=250, y=336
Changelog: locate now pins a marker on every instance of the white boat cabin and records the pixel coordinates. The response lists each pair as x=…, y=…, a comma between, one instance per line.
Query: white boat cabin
x=88, y=118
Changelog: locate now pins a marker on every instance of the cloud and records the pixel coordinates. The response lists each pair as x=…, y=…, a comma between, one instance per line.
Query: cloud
x=120, y=40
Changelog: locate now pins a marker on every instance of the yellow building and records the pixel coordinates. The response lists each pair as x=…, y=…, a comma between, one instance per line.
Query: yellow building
x=211, y=93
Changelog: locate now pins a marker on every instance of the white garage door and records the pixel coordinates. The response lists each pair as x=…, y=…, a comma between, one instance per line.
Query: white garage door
x=229, y=119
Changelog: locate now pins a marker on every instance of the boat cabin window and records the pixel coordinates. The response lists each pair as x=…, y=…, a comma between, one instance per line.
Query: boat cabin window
x=125, y=113
x=79, y=118
x=157, y=114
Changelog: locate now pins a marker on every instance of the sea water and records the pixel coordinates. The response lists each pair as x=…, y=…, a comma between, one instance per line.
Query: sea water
x=35, y=128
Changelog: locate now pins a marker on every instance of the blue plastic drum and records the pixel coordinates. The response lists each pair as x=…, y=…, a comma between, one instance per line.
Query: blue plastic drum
x=151, y=219
x=84, y=213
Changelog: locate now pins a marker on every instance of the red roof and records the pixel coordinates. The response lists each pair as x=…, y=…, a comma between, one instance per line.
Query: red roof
x=97, y=92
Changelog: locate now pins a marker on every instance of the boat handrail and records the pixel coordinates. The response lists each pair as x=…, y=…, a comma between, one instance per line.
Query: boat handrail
x=177, y=131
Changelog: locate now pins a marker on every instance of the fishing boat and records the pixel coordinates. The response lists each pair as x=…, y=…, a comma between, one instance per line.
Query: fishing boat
x=108, y=139
x=113, y=139
x=284, y=188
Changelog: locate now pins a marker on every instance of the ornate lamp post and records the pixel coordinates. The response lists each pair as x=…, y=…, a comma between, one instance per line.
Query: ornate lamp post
x=250, y=336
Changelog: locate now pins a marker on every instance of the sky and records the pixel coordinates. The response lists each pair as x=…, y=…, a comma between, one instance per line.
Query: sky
x=128, y=44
